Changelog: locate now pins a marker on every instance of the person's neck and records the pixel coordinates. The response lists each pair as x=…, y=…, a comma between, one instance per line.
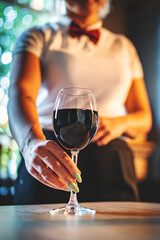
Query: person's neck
x=84, y=21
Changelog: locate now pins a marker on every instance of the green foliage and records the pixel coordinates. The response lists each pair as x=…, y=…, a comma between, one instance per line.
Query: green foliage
x=13, y=21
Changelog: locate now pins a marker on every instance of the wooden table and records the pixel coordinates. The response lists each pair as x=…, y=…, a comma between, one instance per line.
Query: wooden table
x=113, y=220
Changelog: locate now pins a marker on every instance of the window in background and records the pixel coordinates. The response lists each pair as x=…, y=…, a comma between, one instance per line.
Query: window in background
x=15, y=16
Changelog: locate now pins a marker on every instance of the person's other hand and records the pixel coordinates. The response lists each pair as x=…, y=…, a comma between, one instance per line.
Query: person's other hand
x=108, y=129
x=49, y=164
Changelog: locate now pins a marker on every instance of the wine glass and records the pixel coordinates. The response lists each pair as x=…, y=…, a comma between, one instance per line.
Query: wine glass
x=75, y=122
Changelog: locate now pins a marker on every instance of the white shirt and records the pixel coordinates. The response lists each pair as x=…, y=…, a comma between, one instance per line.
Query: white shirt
x=107, y=68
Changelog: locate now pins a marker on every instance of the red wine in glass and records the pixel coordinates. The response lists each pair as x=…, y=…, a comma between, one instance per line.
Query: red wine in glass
x=75, y=122
x=75, y=128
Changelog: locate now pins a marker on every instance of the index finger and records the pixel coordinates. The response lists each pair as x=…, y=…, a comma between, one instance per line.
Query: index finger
x=63, y=157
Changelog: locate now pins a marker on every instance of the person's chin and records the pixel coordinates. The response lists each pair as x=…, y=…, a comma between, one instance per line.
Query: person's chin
x=77, y=13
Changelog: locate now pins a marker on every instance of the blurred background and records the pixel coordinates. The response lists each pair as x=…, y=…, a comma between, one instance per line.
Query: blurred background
x=139, y=20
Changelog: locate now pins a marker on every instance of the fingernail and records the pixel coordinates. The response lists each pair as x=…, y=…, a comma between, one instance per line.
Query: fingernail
x=78, y=177
x=68, y=189
x=74, y=187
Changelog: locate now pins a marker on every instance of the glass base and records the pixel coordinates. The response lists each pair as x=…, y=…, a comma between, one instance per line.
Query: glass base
x=73, y=210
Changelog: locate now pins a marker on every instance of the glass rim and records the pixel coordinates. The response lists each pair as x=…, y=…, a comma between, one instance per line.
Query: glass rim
x=88, y=91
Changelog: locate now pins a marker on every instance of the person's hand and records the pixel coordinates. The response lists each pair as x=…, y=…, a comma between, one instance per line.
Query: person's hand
x=49, y=164
x=109, y=129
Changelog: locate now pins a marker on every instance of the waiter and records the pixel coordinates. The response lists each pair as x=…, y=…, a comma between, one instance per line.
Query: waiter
x=76, y=52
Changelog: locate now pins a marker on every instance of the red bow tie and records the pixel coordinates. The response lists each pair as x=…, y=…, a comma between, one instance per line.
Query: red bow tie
x=76, y=31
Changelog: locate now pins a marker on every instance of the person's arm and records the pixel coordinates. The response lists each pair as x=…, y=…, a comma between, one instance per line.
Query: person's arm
x=44, y=160
x=24, y=87
x=138, y=119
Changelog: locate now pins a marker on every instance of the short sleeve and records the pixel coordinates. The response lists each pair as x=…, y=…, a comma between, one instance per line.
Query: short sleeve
x=135, y=63
x=31, y=40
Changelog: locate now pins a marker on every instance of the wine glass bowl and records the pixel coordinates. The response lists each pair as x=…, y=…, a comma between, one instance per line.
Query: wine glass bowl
x=75, y=122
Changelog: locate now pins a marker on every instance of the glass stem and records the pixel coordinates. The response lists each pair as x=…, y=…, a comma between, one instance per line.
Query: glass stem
x=73, y=196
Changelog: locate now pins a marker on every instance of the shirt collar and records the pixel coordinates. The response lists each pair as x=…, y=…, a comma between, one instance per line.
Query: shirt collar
x=96, y=25
x=66, y=21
